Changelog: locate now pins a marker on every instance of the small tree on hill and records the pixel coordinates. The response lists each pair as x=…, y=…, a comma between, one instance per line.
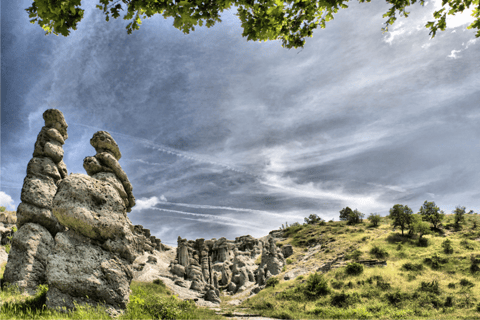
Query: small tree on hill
x=374, y=219
x=345, y=214
x=401, y=216
x=421, y=227
x=2, y=209
x=431, y=213
x=459, y=213
x=312, y=219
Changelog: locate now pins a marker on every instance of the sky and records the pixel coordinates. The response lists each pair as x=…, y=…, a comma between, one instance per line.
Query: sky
x=224, y=137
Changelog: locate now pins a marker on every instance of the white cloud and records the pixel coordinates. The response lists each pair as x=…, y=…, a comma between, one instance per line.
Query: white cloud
x=6, y=201
x=146, y=203
x=393, y=34
x=453, y=54
x=470, y=42
x=162, y=198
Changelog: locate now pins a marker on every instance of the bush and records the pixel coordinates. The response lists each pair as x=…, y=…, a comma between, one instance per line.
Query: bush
x=451, y=285
x=430, y=287
x=396, y=297
x=312, y=219
x=382, y=284
x=337, y=284
x=2, y=209
x=422, y=242
x=412, y=267
x=316, y=285
x=448, y=302
x=378, y=252
x=447, y=246
x=374, y=219
x=354, y=268
x=435, y=262
x=344, y=300
x=289, y=261
x=355, y=255
x=272, y=282
x=466, y=283
x=464, y=243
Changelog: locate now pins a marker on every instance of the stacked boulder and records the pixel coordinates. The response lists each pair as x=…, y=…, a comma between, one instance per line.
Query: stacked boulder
x=92, y=261
x=104, y=166
x=208, y=264
x=73, y=231
x=146, y=241
x=35, y=222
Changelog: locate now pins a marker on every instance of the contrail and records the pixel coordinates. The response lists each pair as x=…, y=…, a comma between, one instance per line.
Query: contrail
x=213, y=218
x=201, y=206
x=183, y=154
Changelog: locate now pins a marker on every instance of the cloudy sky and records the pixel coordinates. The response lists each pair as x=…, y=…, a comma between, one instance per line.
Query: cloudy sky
x=221, y=136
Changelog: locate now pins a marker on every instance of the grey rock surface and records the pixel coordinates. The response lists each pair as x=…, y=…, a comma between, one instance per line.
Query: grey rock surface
x=38, y=191
x=78, y=267
x=28, y=213
x=27, y=259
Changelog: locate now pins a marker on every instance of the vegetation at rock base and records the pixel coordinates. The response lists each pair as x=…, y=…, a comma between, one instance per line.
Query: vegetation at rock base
x=439, y=280
x=147, y=301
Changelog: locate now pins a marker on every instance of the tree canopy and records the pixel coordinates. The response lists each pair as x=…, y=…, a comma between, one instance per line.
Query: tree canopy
x=431, y=213
x=288, y=20
x=401, y=216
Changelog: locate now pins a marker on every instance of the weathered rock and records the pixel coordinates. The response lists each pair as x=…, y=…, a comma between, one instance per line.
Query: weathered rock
x=92, y=166
x=28, y=257
x=62, y=168
x=91, y=207
x=178, y=270
x=38, y=191
x=116, y=183
x=212, y=295
x=43, y=167
x=53, y=149
x=55, y=135
x=54, y=119
x=102, y=140
x=78, y=268
x=27, y=213
x=197, y=285
x=287, y=250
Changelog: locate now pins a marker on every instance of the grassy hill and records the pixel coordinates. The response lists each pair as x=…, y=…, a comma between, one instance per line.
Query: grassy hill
x=420, y=280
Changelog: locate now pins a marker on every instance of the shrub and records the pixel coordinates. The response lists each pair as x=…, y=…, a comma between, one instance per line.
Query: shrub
x=412, y=267
x=374, y=219
x=478, y=307
x=430, y=287
x=315, y=286
x=396, y=297
x=365, y=238
x=2, y=209
x=289, y=261
x=422, y=242
x=344, y=300
x=466, y=283
x=464, y=243
x=435, y=262
x=272, y=282
x=382, y=284
x=447, y=246
x=378, y=252
x=354, y=268
x=337, y=284
x=451, y=285
x=448, y=302
x=355, y=255
x=312, y=219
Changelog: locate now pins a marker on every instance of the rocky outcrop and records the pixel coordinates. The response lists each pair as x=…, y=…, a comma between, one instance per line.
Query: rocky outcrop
x=272, y=262
x=209, y=264
x=92, y=261
x=26, y=264
x=104, y=166
x=146, y=241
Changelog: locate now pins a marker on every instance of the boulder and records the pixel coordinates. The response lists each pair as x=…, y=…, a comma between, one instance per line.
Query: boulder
x=91, y=207
x=31, y=245
x=78, y=269
x=38, y=191
x=27, y=213
x=102, y=140
x=43, y=167
x=287, y=250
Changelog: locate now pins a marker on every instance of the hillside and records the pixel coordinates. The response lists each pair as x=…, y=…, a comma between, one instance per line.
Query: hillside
x=419, y=280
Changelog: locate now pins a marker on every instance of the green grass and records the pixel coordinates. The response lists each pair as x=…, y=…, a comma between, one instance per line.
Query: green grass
x=419, y=282
x=147, y=301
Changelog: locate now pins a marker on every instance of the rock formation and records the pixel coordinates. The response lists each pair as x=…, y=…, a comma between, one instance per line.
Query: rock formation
x=208, y=264
x=35, y=221
x=92, y=261
x=272, y=262
x=73, y=231
x=104, y=166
